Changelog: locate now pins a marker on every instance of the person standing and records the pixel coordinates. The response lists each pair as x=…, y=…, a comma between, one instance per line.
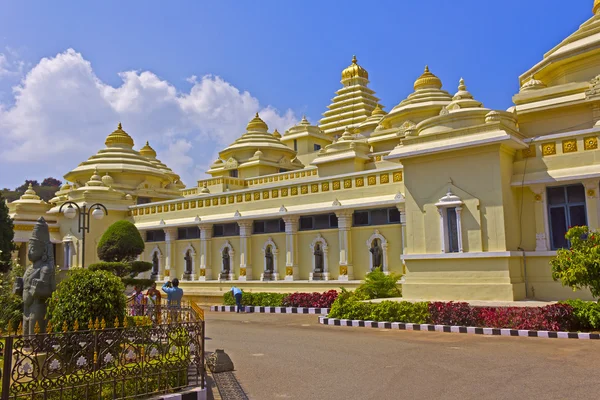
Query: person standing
x=174, y=293
x=153, y=296
x=237, y=295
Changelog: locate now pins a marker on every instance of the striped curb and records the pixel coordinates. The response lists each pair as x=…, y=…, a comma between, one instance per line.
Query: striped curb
x=274, y=310
x=457, y=329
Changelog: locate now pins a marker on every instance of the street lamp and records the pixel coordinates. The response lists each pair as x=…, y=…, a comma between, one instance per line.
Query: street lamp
x=96, y=210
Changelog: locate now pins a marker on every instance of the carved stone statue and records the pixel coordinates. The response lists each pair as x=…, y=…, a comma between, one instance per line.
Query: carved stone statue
x=269, y=259
x=155, y=264
x=188, y=263
x=226, y=261
x=39, y=280
x=376, y=254
x=318, y=253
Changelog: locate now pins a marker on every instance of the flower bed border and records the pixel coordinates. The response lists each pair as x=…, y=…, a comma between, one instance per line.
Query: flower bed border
x=323, y=320
x=274, y=310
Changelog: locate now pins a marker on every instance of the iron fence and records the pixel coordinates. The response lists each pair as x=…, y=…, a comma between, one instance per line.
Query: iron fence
x=158, y=353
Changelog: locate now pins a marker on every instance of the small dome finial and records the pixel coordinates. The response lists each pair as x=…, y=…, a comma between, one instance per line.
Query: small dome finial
x=120, y=127
x=354, y=60
x=256, y=116
x=427, y=80
x=461, y=85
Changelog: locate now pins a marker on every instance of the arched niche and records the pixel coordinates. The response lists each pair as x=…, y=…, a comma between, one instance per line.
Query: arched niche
x=156, y=258
x=319, y=251
x=227, y=253
x=270, y=246
x=382, y=243
x=189, y=263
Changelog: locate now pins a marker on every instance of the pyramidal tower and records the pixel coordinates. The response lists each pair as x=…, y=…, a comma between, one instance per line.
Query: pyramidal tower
x=353, y=103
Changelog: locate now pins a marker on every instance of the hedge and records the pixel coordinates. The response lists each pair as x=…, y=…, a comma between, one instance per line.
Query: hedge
x=323, y=300
x=571, y=315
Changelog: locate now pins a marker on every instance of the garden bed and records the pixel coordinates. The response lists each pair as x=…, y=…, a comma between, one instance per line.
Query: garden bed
x=294, y=300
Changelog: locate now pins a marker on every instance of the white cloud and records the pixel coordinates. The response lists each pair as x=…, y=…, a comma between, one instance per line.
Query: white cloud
x=62, y=112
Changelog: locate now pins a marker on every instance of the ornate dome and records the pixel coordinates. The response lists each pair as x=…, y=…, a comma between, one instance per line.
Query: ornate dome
x=428, y=80
x=378, y=111
x=277, y=134
x=30, y=194
x=119, y=137
x=148, y=151
x=354, y=71
x=533, y=83
x=256, y=124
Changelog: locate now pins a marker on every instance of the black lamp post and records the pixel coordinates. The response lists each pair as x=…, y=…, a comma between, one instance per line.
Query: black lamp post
x=96, y=210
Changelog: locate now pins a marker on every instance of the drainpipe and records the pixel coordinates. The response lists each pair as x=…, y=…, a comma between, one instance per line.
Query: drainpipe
x=525, y=272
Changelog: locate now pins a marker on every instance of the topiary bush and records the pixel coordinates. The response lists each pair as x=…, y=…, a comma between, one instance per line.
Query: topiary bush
x=378, y=285
x=121, y=242
x=86, y=295
x=119, y=246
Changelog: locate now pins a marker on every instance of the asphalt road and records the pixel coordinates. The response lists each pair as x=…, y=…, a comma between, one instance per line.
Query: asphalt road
x=293, y=357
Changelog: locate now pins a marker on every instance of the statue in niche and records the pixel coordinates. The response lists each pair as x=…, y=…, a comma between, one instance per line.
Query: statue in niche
x=376, y=254
x=226, y=261
x=318, y=253
x=39, y=280
x=155, y=264
x=188, y=262
x=269, y=259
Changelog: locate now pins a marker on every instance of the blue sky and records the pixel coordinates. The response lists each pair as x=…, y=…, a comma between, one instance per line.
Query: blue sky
x=286, y=55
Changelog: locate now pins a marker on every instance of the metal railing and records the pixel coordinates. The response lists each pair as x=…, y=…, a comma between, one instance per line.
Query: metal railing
x=133, y=358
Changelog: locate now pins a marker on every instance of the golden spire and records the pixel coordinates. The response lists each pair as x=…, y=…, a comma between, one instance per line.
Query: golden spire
x=596, y=7
x=119, y=137
x=377, y=111
x=354, y=71
x=30, y=194
x=276, y=134
x=148, y=151
x=428, y=80
x=256, y=124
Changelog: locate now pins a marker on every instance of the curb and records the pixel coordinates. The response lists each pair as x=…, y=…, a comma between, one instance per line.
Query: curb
x=194, y=394
x=457, y=329
x=274, y=310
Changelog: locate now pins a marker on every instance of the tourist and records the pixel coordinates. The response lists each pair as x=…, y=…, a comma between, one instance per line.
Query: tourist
x=174, y=293
x=153, y=296
x=237, y=294
x=138, y=300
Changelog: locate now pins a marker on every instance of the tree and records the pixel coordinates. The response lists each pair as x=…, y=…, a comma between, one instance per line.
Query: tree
x=6, y=236
x=51, y=182
x=579, y=266
x=119, y=246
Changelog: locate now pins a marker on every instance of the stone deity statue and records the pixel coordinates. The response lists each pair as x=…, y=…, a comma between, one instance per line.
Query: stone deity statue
x=318, y=253
x=269, y=259
x=188, y=263
x=226, y=261
x=376, y=254
x=39, y=280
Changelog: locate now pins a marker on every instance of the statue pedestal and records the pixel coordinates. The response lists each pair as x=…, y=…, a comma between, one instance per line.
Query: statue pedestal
x=269, y=276
x=205, y=274
x=187, y=277
x=319, y=276
x=291, y=273
x=346, y=273
x=226, y=277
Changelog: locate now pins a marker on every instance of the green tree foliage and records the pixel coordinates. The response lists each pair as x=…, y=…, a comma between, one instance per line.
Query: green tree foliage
x=378, y=285
x=579, y=266
x=85, y=295
x=6, y=236
x=11, y=305
x=119, y=246
x=121, y=242
x=51, y=182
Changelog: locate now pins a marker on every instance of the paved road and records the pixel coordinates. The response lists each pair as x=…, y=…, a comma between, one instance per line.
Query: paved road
x=293, y=357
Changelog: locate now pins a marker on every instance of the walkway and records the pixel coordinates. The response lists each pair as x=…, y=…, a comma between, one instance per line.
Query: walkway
x=280, y=356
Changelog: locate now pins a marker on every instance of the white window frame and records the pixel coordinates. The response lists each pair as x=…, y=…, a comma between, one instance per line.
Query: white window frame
x=450, y=200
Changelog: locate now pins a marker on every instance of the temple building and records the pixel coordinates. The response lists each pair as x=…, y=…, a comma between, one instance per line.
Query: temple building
x=466, y=202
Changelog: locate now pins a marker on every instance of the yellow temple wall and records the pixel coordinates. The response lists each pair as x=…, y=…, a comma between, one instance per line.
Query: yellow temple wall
x=361, y=254
x=305, y=260
x=258, y=258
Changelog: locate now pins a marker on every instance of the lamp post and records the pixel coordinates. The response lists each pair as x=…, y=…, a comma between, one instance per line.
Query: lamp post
x=96, y=210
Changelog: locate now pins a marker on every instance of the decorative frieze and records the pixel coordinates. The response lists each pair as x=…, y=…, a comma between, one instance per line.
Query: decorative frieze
x=569, y=146
x=590, y=143
x=549, y=149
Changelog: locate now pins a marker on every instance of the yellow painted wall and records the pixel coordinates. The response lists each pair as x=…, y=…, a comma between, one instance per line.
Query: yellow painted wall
x=361, y=254
x=305, y=262
x=258, y=259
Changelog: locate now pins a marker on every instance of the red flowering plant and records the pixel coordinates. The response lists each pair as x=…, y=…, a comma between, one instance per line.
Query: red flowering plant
x=555, y=317
x=322, y=300
x=451, y=313
x=579, y=266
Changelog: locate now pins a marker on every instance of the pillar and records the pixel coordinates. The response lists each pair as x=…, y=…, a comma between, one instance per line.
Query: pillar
x=591, y=202
x=346, y=272
x=245, y=251
x=205, y=272
x=170, y=236
x=292, y=272
x=403, y=238
x=541, y=237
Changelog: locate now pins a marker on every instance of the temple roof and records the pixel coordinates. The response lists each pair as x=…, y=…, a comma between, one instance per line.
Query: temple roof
x=353, y=103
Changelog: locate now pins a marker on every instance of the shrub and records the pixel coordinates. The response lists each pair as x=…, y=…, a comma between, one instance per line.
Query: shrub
x=349, y=306
x=6, y=236
x=450, y=313
x=586, y=314
x=579, y=266
x=555, y=317
x=126, y=271
x=323, y=300
x=86, y=295
x=378, y=285
x=11, y=305
x=121, y=242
